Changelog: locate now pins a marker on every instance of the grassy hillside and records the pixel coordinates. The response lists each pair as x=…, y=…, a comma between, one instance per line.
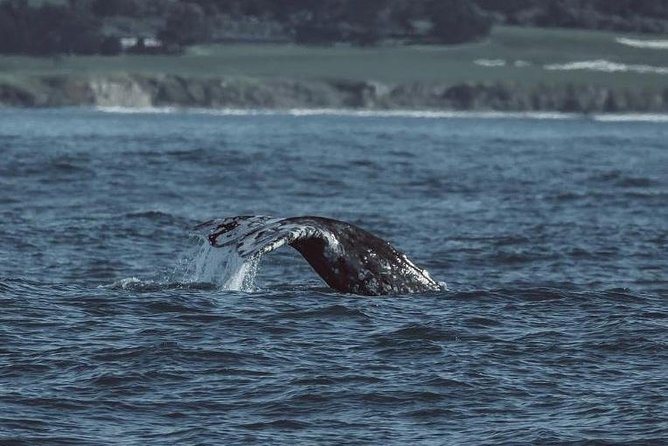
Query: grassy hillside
x=444, y=64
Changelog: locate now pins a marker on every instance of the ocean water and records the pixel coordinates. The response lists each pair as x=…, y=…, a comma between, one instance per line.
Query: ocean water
x=116, y=327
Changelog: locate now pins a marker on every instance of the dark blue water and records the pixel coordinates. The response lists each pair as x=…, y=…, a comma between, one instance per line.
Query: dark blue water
x=551, y=234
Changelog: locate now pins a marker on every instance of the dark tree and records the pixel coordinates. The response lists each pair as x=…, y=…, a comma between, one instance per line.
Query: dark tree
x=57, y=29
x=626, y=8
x=314, y=33
x=186, y=24
x=110, y=46
x=403, y=13
x=104, y=8
x=370, y=20
x=209, y=7
x=48, y=29
x=14, y=26
x=508, y=6
x=255, y=8
x=458, y=21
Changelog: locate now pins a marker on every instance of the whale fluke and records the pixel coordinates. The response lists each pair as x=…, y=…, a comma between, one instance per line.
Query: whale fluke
x=348, y=258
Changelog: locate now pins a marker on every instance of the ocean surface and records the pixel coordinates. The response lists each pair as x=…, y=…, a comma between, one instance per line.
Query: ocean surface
x=550, y=231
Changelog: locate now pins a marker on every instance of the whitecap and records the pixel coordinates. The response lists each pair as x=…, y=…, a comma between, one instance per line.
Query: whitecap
x=490, y=62
x=606, y=66
x=349, y=112
x=631, y=117
x=136, y=110
x=641, y=43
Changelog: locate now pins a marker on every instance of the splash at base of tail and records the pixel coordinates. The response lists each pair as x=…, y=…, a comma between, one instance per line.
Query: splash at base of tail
x=348, y=258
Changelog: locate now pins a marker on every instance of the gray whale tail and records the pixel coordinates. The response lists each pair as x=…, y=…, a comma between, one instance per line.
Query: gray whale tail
x=348, y=258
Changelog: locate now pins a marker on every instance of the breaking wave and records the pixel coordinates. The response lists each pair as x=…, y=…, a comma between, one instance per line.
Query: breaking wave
x=415, y=114
x=639, y=43
x=630, y=117
x=342, y=112
x=607, y=67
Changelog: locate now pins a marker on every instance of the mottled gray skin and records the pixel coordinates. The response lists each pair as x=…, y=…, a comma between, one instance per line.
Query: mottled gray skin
x=348, y=258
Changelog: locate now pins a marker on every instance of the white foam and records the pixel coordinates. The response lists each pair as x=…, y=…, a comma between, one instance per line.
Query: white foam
x=355, y=113
x=490, y=62
x=415, y=114
x=631, y=117
x=136, y=110
x=134, y=284
x=125, y=284
x=641, y=43
x=607, y=67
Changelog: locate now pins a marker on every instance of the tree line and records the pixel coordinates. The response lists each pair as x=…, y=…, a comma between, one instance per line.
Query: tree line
x=77, y=26
x=87, y=26
x=644, y=16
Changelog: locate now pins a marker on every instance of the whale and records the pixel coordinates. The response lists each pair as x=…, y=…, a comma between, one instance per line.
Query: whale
x=348, y=258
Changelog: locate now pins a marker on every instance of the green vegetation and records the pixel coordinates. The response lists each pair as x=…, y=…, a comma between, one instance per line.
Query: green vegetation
x=392, y=64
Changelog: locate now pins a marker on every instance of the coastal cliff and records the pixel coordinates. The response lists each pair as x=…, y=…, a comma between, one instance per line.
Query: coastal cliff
x=241, y=92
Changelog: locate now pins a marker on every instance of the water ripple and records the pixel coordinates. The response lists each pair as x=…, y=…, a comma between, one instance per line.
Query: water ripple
x=551, y=236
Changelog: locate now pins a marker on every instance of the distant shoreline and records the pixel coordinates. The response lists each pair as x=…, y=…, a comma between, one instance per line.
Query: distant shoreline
x=150, y=91
x=515, y=70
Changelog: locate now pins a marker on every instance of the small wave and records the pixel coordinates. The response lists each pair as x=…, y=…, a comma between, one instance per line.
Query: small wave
x=18, y=286
x=640, y=43
x=277, y=424
x=631, y=117
x=542, y=336
x=490, y=62
x=431, y=114
x=135, y=284
x=401, y=397
x=154, y=216
x=493, y=63
x=545, y=294
x=333, y=311
x=436, y=413
x=68, y=167
x=4, y=287
x=136, y=110
x=511, y=257
x=336, y=379
x=566, y=196
x=441, y=382
x=620, y=179
x=482, y=322
x=635, y=182
x=606, y=66
x=418, y=332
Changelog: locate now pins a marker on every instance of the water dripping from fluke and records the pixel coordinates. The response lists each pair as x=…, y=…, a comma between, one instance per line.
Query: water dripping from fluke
x=202, y=266
x=224, y=268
